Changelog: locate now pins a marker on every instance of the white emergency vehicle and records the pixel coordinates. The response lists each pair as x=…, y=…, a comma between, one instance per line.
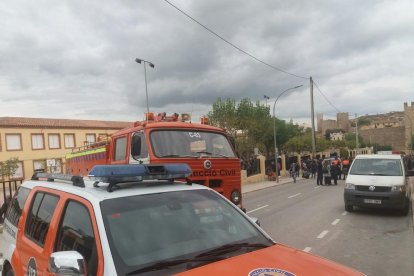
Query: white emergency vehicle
x=138, y=220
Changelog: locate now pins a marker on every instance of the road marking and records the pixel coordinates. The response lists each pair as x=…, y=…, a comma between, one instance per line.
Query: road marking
x=317, y=187
x=294, y=195
x=254, y=210
x=344, y=213
x=307, y=249
x=335, y=222
x=323, y=234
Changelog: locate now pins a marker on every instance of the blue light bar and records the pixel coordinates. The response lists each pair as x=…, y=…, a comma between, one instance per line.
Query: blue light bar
x=127, y=173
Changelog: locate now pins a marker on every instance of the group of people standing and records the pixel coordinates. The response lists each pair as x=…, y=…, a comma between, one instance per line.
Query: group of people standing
x=325, y=171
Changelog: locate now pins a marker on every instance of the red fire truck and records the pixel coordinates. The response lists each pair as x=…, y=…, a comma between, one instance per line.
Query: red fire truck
x=208, y=150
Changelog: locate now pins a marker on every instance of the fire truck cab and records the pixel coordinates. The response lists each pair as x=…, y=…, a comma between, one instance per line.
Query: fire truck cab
x=208, y=150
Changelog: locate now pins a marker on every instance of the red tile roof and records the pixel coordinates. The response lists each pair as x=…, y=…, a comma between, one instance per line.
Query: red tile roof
x=19, y=122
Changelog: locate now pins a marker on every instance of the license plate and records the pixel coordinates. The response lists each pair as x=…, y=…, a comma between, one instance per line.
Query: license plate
x=372, y=201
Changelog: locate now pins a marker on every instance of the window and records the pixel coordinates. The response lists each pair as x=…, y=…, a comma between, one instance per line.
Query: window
x=90, y=138
x=18, y=174
x=16, y=206
x=54, y=165
x=13, y=142
x=180, y=143
x=39, y=216
x=37, y=141
x=139, y=146
x=69, y=141
x=39, y=165
x=76, y=233
x=54, y=141
x=120, y=149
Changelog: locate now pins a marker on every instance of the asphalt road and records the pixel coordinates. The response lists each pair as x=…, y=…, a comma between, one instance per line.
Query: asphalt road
x=312, y=218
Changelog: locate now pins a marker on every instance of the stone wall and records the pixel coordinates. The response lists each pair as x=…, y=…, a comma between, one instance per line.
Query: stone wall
x=409, y=125
x=388, y=136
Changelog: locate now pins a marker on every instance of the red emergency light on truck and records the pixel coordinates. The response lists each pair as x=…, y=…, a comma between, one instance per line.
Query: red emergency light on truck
x=168, y=139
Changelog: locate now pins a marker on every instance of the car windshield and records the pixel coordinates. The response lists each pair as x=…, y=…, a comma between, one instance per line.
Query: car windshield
x=145, y=230
x=377, y=166
x=184, y=143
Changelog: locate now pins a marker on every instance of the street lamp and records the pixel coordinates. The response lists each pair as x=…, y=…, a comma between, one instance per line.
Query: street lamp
x=274, y=129
x=266, y=98
x=138, y=60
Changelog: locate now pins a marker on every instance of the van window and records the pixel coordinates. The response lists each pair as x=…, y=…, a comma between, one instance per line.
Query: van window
x=16, y=206
x=76, y=233
x=39, y=216
x=377, y=166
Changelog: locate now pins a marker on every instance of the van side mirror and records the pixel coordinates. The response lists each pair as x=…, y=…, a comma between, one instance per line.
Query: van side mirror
x=67, y=263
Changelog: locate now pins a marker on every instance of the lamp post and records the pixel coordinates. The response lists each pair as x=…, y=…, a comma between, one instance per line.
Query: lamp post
x=266, y=98
x=138, y=60
x=274, y=129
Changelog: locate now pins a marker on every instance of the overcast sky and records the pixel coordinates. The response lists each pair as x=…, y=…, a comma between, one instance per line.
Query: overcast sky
x=75, y=59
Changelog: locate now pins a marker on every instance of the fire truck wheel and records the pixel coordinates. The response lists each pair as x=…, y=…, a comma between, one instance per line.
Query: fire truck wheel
x=9, y=272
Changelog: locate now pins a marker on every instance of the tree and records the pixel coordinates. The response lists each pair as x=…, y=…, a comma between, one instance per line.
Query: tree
x=251, y=125
x=9, y=167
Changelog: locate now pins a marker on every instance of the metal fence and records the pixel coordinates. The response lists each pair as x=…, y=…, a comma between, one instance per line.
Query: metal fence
x=8, y=188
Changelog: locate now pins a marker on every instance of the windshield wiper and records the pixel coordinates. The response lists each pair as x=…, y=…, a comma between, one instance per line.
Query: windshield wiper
x=213, y=154
x=204, y=152
x=176, y=155
x=167, y=264
x=231, y=247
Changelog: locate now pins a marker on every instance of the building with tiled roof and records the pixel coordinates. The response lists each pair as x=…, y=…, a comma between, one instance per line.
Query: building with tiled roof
x=41, y=143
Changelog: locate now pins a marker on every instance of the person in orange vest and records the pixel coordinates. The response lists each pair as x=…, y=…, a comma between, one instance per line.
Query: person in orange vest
x=345, y=167
x=335, y=170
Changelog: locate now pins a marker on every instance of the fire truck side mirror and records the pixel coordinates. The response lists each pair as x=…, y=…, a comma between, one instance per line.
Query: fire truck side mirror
x=136, y=146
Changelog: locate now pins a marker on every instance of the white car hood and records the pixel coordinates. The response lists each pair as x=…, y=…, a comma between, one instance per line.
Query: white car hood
x=376, y=180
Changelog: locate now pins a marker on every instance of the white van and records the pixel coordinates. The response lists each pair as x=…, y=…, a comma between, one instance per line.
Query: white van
x=378, y=181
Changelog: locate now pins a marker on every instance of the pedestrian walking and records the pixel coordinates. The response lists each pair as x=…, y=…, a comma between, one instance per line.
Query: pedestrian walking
x=293, y=171
x=335, y=171
x=313, y=166
x=319, y=172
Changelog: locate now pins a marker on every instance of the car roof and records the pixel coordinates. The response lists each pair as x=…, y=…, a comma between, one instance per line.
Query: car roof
x=98, y=194
x=376, y=156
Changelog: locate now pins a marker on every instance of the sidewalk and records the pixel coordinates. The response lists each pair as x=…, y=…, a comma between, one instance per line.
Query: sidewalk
x=250, y=187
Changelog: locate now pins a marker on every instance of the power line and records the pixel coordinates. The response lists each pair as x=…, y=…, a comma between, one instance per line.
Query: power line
x=233, y=45
x=325, y=97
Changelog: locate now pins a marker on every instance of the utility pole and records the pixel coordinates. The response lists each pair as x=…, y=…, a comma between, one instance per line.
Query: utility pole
x=313, y=120
x=356, y=134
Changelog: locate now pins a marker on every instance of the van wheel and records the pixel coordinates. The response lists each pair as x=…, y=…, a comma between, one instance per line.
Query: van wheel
x=349, y=208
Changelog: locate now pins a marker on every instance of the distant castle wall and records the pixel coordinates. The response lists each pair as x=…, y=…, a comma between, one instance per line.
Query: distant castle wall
x=409, y=125
x=394, y=129
x=328, y=124
x=388, y=136
x=343, y=121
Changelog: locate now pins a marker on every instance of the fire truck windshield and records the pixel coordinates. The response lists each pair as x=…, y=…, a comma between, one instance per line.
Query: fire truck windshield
x=184, y=143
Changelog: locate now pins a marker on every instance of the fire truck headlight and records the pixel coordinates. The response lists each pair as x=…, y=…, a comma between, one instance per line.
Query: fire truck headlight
x=235, y=197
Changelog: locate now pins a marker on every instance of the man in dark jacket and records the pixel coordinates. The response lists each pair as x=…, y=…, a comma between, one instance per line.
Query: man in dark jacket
x=319, y=172
x=335, y=171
